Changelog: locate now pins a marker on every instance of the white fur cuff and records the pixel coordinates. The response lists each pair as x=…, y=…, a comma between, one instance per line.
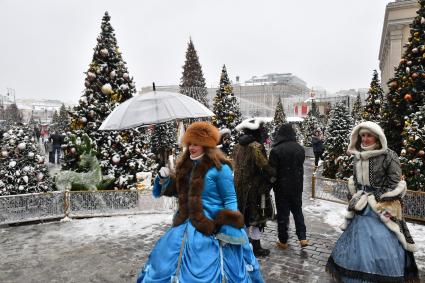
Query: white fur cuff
x=400, y=190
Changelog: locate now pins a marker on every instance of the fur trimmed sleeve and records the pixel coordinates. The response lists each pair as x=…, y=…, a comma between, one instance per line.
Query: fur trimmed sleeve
x=396, y=186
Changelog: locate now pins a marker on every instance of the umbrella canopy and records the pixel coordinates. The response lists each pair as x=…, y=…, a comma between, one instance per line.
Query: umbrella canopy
x=153, y=108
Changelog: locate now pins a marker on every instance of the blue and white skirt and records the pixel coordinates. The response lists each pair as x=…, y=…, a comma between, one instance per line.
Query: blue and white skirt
x=184, y=254
x=368, y=251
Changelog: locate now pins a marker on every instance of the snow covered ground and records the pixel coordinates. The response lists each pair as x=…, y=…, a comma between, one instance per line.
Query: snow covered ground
x=333, y=214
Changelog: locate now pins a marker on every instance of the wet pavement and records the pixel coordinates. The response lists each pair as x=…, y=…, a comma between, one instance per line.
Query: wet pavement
x=102, y=251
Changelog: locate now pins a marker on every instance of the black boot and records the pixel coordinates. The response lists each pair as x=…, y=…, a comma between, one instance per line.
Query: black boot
x=258, y=250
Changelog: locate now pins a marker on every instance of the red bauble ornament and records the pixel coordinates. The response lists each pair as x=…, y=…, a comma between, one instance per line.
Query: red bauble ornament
x=421, y=153
x=408, y=97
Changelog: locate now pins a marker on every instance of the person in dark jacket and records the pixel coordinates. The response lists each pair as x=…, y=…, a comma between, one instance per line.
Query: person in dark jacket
x=56, y=141
x=287, y=158
x=253, y=177
x=317, y=142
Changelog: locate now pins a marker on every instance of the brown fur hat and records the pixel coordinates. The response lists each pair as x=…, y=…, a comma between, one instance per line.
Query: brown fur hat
x=201, y=133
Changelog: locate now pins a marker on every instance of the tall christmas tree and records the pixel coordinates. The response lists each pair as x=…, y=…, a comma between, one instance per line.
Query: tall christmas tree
x=279, y=118
x=108, y=84
x=407, y=88
x=336, y=163
x=22, y=167
x=226, y=106
x=412, y=156
x=192, y=82
x=310, y=124
x=357, y=111
x=374, y=100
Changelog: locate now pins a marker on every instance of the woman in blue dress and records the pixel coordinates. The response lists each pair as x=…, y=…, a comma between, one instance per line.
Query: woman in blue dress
x=207, y=242
x=376, y=245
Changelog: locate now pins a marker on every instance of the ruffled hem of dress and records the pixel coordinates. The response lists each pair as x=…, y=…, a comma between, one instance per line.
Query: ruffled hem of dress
x=337, y=272
x=231, y=240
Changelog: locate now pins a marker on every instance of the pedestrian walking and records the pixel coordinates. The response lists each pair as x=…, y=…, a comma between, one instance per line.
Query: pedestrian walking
x=253, y=177
x=224, y=142
x=287, y=158
x=207, y=242
x=317, y=142
x=376, y=245
x=56, y=141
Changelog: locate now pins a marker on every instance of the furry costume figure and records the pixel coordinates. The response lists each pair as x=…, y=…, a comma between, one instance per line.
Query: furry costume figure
x=376, y=244
x=253, y=176
x=207, y=242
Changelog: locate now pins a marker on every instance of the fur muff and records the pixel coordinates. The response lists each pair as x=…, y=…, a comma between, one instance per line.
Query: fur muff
x=201, y=133
x=190, y=200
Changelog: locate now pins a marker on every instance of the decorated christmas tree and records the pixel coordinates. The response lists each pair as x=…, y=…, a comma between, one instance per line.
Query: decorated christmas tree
x=226, y=107
x=107, y=84
x=279, y=119
x=310, y=124
x=163, y=141
x=407, y=88
x=412, y=156
x=22, y=166
x=357, y=111
x=192, y=82
x=374, y=100
x=336, y=163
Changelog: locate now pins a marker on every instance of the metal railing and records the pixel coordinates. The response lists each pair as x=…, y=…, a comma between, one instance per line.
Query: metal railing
x=77, y=204
x=337, y=190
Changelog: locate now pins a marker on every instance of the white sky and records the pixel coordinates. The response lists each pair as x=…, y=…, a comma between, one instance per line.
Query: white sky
x=47, y=45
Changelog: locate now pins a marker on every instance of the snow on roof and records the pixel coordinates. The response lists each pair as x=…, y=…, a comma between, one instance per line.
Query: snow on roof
x=294, y=119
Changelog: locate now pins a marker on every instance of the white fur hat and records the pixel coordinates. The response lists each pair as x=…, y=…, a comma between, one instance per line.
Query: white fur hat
x=252, y=123
x=370, y=127
x=225, y=131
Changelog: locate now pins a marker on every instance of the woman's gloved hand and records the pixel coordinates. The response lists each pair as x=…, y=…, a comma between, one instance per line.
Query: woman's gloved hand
x=164, y=172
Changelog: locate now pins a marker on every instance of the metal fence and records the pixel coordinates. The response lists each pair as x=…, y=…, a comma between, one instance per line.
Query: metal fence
x=56, y=205
x=337, y=190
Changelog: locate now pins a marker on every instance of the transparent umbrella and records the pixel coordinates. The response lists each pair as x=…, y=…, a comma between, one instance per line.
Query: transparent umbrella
x=153, y=108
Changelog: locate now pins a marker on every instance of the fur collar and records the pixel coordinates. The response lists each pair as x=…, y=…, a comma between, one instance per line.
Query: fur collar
x=190, y=184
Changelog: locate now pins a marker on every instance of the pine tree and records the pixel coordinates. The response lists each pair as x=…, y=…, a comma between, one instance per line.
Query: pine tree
x=413, y=152
x=164, y=140
x=357, y=111
x=407, y=88
x=12, y=114
x=336, y=163
x=55, y=121
x=22, y=166
x=192, y=82
x=226, y=107
x=310, y=124
x=108, y=84
x=279, y=118
x=63, y=122
x=374, y=100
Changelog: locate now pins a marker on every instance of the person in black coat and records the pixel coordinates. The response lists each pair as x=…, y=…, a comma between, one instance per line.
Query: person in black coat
x=287, y=158
x=317, y=142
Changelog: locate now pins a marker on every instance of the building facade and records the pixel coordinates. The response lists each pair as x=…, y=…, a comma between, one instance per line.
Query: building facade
x=395, y=33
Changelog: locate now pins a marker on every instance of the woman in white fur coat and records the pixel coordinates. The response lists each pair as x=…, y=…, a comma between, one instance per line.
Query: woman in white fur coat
x=376, y=245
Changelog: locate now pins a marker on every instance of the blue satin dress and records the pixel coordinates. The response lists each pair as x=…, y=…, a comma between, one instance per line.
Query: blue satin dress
x=367, y=251
x=184, y=254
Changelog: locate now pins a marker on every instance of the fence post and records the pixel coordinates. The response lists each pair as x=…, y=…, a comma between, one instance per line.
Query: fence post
x=313, y=185
x=66, y=203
